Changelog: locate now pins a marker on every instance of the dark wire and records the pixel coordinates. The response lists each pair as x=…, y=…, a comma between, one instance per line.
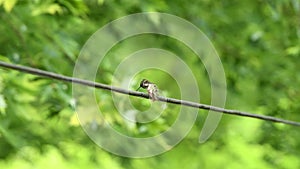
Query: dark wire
x=143, y=95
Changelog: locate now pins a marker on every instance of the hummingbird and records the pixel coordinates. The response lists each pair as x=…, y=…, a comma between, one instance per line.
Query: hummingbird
x=151, y=88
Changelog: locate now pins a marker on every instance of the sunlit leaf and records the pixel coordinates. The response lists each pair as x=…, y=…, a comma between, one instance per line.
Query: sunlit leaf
x=8, y=4
x=3, y=105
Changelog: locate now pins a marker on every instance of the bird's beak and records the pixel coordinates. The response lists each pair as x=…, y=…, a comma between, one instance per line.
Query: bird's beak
x=138, y=88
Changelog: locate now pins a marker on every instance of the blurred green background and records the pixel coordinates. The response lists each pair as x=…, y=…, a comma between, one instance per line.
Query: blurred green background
x=259, y=46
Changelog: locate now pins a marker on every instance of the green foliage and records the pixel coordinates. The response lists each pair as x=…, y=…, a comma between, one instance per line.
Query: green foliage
x=259, y=45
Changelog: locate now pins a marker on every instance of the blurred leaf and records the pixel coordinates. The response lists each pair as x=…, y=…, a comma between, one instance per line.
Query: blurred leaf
x=8, y=4
x=3, y=105
x=294, y=50
x=47, y=8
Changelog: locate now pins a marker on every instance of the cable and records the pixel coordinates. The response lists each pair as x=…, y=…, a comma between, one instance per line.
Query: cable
x=143, y=95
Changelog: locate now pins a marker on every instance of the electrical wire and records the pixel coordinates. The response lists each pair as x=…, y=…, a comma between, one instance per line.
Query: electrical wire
x=52, y=75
